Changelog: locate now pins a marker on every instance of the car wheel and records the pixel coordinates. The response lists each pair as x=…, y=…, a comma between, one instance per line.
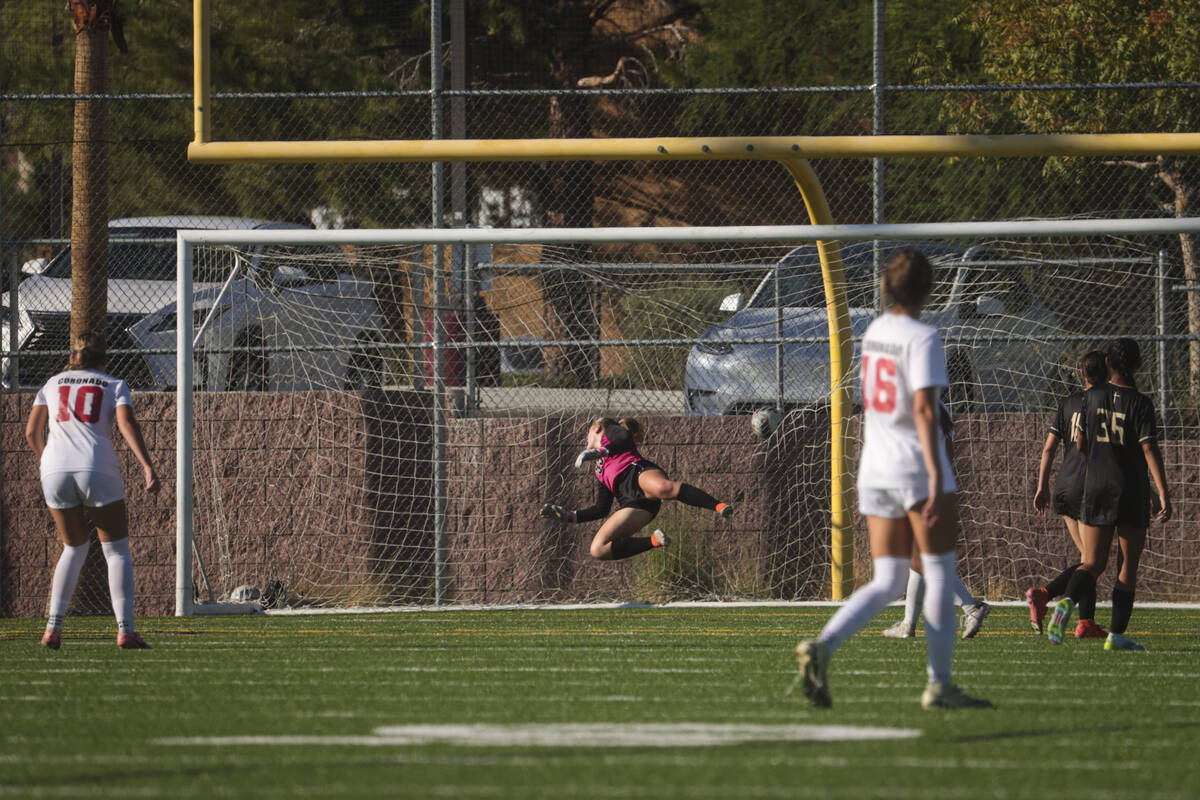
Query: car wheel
x=248, y=364
x=365, y=370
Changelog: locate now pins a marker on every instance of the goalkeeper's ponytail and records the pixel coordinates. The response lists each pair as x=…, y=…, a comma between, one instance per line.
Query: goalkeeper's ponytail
x=636, y=431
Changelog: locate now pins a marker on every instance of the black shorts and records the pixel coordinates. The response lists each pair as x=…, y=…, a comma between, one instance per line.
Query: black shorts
x=1116, y=505
x=1068, y=502
x=629, y=493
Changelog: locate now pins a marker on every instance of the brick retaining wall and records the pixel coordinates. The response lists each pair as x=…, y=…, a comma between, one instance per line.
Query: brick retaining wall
x=325, y=491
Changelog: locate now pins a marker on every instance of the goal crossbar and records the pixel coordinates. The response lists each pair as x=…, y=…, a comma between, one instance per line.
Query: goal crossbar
x=750, y=233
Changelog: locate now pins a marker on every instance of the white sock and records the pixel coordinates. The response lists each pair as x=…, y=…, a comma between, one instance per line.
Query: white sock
x=962, y=595
x=66, y=576
x=914, y=596
x=866, y=602
x=120, y=582
x=941, y=627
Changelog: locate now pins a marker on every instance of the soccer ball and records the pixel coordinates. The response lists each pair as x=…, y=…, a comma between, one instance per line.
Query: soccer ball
x=764, y=421
x=245, y=594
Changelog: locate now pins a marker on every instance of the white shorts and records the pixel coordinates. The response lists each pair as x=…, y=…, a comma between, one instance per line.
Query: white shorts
x=889, y=503
x=88, y=488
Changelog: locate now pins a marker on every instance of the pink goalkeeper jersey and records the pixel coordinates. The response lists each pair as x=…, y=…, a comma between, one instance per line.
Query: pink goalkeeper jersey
x=82, y=404
x=610, y=467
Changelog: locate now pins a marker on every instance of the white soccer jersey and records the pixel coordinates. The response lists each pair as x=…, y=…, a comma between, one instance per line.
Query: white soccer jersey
x=899, y=356
x=82, y=404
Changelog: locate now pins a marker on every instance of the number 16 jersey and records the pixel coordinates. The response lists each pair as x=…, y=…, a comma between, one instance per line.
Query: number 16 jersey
x=900, y=355
x=82, y=404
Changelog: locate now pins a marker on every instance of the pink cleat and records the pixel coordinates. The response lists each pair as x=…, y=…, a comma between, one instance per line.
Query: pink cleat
x=131, y=641
x=1038, y=599
x=52, y=640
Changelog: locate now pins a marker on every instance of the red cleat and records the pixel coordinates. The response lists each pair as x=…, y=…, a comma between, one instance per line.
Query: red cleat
x=52, y=640
x=1037, y=599
x=1088, y=629
x=131, y=641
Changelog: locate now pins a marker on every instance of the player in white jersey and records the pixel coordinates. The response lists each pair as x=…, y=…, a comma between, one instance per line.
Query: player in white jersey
x=69, y=429
x=974, y=611
x=906, y=486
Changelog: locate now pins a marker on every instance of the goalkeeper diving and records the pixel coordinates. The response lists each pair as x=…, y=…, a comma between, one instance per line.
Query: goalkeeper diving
x=638, y=485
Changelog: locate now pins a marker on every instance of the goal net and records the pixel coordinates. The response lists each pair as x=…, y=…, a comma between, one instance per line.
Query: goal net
x=375, y=423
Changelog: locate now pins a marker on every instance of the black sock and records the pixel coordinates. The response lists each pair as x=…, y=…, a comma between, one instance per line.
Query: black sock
x=696, y=497
x=1122, y=610
x=1087, y=601
x=624, y=548
x=1082, y=584
x=1058, y=586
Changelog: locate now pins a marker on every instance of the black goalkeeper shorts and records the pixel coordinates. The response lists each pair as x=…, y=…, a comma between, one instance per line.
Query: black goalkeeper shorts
x=629, y=492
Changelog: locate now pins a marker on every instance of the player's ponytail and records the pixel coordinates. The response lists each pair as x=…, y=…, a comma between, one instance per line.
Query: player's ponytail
x=907, y=278
x=636, y=431
x=1124, y=359
x=602, y=422
x=89, y=350
x=1092, y=365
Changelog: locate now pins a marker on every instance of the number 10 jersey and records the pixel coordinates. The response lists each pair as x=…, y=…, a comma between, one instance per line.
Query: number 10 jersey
x=82, y=404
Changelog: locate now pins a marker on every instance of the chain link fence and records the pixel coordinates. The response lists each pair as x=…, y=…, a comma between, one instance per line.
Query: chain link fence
x=155, y=190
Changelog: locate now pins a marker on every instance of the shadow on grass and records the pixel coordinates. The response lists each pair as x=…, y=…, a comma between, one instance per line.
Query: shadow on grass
x=1031, y=734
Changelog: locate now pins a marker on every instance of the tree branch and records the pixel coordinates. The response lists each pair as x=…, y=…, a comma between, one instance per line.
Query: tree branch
x=1143, y=165
x=596, y=81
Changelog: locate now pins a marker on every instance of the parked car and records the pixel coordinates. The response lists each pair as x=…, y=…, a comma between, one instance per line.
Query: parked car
x=286, y=316
x=989, y=317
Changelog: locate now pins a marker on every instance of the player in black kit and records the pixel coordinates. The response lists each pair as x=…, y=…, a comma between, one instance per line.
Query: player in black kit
x=1067, y=497
x=1120, y=441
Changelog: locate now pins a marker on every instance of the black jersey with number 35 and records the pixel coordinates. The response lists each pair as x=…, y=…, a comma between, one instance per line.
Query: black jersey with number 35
x=1117, y=421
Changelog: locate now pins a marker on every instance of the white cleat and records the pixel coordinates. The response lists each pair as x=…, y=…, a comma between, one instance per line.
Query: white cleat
x=1119, y=641
x=901, y=630
x=973, y=617
x=947, y=695
x=660, y=539
x=812, y=657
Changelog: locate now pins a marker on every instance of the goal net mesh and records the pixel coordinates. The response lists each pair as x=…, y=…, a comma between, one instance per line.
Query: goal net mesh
x=381, y=425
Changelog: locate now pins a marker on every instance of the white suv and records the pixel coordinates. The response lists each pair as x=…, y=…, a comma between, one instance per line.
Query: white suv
x=993, y=326
x=274, y=320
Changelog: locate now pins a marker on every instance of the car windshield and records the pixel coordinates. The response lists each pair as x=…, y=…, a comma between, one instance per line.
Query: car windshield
x=148, y=254
x=801, y=284
x=133, y=254
x=803, y=287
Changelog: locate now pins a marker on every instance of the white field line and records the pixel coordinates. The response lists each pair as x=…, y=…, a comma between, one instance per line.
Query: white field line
x=732, y=604
x=507, y=758
x=600, y=791
x=572, y=735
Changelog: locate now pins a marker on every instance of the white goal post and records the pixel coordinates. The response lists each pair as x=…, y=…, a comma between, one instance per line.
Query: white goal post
x=188, y=318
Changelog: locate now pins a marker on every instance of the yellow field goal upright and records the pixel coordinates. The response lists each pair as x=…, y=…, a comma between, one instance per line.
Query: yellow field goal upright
x=793, y=152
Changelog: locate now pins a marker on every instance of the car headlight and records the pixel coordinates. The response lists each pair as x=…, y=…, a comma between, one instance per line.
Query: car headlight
x=715, y=348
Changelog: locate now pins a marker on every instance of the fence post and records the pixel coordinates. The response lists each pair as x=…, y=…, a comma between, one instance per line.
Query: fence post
x=877, y=164
x=1160, y=302
x=439, y=311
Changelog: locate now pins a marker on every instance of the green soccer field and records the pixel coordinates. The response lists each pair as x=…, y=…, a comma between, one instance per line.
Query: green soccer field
x=670, y=702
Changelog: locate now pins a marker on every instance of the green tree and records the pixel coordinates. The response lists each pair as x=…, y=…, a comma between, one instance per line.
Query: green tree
x=1098, y=41
x=568, y=45
x=287, y=46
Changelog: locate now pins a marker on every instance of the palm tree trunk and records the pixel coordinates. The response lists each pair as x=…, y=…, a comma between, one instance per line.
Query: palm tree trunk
x=89, y=186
